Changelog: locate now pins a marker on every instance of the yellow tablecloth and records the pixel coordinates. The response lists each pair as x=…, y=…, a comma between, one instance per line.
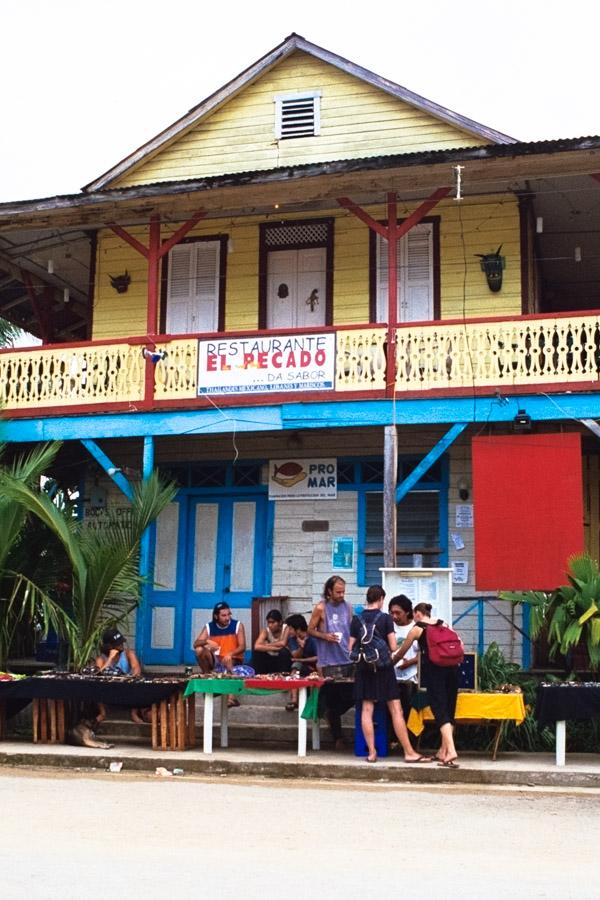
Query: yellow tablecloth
x=474, y=707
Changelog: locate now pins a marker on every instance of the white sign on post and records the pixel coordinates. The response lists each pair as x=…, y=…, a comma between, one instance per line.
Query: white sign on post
x=268, y=363
x=421, y=586
x=302, y=479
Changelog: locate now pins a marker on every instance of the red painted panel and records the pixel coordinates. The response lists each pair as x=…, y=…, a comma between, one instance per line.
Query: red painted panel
x=528, y=508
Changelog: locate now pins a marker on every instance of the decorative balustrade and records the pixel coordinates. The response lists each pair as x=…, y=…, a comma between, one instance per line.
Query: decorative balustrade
x=71, y=376
x=536, y=351
x=532, y=351
x=360, y=359
x=176, y=376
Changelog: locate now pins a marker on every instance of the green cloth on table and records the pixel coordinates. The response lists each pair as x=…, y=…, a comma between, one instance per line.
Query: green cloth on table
x=236, y=686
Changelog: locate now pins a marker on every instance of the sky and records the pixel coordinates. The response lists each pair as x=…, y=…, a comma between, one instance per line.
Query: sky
x=84, y=84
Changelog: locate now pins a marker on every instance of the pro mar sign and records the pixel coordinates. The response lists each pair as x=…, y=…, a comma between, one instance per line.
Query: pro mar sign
x=299, y=362
x=302, y=479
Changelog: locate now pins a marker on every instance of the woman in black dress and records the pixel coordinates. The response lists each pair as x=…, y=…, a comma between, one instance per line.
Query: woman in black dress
x=373, y=685
x=441, y=683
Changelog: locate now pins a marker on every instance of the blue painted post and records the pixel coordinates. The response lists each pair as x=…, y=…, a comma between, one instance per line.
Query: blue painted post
x=147, y=468
x=481, y=626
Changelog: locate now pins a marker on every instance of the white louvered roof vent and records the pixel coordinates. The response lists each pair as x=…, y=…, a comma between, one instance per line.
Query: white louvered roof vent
x=297, y=115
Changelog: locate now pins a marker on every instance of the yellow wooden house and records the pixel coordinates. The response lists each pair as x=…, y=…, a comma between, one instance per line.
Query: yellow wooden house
x=312, y=274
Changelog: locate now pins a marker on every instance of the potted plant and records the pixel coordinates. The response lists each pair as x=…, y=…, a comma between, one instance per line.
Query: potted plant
x=570, y=615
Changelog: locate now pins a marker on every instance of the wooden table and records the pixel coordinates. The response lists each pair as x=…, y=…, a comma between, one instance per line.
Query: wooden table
x=477, y=709
x=223, y=687
x=172, y=715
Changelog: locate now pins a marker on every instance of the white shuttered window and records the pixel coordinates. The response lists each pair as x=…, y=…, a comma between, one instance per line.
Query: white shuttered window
x=193, y=287
x=415, y=275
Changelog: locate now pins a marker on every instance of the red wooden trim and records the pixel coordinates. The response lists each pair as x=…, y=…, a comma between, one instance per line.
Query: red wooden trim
x=128, y=238
x=435, y=222
x=181, y=233
x=390, y=350
x=153, y=276
x=437, y=266
x=421, y=211
x=263, y=256
x=164, y=279
x=348, y=204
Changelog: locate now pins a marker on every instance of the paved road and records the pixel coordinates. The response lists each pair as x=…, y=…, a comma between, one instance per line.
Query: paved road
x=78, y=837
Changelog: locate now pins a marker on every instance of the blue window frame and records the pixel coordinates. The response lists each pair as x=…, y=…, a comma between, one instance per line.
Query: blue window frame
x=422, y=514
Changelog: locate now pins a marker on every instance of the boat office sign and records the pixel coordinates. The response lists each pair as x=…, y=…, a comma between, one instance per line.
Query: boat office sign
x=302, y=479
x=257, y=365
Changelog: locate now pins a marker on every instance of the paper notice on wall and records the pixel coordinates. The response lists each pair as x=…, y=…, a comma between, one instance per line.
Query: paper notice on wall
x=460, y=571
x=457, y=541
x=464, y=515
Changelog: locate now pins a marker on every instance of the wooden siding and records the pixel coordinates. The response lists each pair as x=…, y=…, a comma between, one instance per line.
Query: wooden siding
x=486, y=223
x=357, y=120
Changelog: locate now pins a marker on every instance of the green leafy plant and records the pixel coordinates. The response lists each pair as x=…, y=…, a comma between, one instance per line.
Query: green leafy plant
x=26, y=598
x=570, y=614
x=104, y=565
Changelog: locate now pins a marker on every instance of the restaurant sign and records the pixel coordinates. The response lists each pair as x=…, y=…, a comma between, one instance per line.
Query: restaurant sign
x=302, y=479
x=298, y=362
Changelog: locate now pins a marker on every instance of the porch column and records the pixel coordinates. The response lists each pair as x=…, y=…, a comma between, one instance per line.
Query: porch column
x=390, y=476
x=392, y=232
x=153, y=253
x=144, y=565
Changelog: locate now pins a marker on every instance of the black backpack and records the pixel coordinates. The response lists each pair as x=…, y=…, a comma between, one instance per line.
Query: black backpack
x=370, y=648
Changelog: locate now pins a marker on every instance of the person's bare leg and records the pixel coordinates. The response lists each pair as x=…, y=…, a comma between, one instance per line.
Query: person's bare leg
x=368, y=730
x=206, y=660
x=447, y=750
x=401, y=730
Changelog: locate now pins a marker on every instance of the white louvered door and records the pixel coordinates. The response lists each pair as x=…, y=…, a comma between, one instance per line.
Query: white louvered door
x=193, y=288
x=415, y=276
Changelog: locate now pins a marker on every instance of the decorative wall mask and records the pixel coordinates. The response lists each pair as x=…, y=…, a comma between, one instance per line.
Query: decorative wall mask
x=283, y=291
x=120, y=282
x=313, y=299
x=493, y=264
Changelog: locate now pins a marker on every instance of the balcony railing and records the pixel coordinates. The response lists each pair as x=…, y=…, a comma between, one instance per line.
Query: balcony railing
x=484, y=354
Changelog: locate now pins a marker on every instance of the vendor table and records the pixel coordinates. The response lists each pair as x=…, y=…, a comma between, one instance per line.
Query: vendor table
x=477, y=709
x=173, y=726
x=212, y=687
x=570, y=700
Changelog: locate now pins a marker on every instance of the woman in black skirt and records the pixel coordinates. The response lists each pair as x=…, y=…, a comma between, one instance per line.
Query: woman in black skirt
x=373, y=685
x=441, y=683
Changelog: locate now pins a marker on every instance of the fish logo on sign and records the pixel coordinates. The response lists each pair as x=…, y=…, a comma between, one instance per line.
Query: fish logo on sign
x=288, y=474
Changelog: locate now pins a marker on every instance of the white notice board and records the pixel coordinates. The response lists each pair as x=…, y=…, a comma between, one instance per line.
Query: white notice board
x=421, y=586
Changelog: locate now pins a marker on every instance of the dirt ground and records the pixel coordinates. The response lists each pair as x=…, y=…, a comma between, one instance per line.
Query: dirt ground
x=74, y=836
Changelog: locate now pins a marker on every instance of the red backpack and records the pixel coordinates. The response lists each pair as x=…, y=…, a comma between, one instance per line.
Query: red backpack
x=444, y=646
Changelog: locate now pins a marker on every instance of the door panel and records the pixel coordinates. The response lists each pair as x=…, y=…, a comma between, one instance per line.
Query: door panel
x=296, y=288
x=206, y=549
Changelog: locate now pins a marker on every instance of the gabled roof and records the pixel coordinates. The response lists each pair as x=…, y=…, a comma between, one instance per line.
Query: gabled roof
x=290, y=45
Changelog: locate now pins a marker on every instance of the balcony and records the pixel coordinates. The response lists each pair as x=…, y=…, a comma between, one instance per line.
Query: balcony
x=435, y=358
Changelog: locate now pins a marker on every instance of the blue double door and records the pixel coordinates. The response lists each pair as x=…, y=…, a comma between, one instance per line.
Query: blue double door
x=206, y=548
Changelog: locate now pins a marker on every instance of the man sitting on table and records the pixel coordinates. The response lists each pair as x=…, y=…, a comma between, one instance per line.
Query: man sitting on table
x=221, y=644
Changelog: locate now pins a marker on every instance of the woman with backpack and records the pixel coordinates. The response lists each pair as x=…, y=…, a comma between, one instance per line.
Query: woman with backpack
x=441, y=681
x=372, y=641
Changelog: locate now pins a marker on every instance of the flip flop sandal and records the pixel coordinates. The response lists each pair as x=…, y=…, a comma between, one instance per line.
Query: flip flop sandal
x=231, y=704
x=370, y=760
x=291, y=707
x=420, y=759
x=449, y=764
